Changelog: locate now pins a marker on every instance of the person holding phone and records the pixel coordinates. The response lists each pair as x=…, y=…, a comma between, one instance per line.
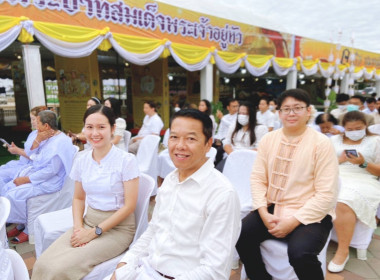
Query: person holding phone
x=358, y=152
x=11, y=168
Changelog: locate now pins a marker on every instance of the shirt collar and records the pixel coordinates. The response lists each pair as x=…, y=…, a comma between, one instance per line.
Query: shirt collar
x=198, y=175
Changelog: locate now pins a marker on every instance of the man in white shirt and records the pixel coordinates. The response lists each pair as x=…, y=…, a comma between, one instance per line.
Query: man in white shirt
x=225, y=122
x=371, y=106
x=152, y=124
x=342, y=101
x=264, y=116
x=196, y=220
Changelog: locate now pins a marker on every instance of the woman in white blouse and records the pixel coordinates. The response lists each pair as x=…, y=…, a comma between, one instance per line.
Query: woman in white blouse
x=107, y=179
x=244, y=134
x=121, y=125
x=205, y=107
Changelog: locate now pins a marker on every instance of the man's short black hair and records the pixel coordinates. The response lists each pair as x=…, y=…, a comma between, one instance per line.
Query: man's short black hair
x=361, y=98
x=342, y=97
x=371, y=100
x=196, y=115
x=230, y=100
x=297, y=93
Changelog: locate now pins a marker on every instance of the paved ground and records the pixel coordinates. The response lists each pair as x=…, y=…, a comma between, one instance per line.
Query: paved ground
x=354, y=270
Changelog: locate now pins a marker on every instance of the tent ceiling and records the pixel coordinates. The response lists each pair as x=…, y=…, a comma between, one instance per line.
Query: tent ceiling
x=320, y=20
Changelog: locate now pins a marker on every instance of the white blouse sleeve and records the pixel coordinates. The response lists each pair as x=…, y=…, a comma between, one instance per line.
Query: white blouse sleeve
x=121, y=125
x=227, y=140
x=130, y=168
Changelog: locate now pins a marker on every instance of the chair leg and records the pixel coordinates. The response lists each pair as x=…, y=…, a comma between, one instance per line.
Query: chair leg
x=361, y=254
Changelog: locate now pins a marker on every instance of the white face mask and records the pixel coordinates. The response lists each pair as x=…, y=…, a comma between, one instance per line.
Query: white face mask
x=272, y=107
x=355, y=135
x=342, y=107
x=243, y=119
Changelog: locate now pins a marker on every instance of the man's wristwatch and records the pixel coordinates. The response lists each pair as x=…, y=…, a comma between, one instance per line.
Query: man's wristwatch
x=98, y=231
x=364, y=164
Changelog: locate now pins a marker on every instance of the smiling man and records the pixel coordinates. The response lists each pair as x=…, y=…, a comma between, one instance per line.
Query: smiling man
x=196, y=220
x=294, y=185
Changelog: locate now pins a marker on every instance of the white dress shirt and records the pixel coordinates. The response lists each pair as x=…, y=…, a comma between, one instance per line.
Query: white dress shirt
x=267, y=118
x=194, y=228
x=151, y=125
x=368, y=111
x=103, y=183
x=224, y=125
x=242, y=139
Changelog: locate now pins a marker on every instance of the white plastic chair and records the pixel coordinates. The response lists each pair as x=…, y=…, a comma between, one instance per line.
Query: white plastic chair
x=50, y=202
x=238, y=170
x=147, y=155
x=127, y=137
x=5, y=208
x=146, y=186
x=275, y=258
x=19, y=268
x=48, y=227
x=165, y=140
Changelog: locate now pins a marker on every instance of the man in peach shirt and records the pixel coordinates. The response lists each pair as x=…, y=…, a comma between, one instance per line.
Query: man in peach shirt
x=294, y=186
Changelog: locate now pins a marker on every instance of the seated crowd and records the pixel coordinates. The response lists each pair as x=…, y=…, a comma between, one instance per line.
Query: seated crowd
x=312, y=172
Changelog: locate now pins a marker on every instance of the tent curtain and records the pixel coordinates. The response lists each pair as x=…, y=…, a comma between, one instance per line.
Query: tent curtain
x=74, y=42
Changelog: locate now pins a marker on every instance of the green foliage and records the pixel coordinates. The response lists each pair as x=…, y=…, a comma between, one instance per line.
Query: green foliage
x=215, y=107
x=332, y=98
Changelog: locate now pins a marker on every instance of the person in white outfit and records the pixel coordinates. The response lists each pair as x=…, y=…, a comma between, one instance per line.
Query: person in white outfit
x=196, y=220
x=152, y=124
x=264, y=116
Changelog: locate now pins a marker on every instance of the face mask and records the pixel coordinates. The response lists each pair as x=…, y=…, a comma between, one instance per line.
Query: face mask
x=355, y=135
x=342, y=107
x=352, y=107
x=271, y=107
x=243, y=119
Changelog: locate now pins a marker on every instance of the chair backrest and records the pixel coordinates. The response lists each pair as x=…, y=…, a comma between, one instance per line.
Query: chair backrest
x=127, y=137
x=146, y=186
x=5, y=208
x=147, y=156
x=211, y=154
x=238, y=170
x=375, y=128
x=20, y=270
x=165, y=140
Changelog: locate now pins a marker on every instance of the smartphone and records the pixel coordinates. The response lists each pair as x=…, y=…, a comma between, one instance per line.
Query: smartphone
x=352, y=152
x=4, y=142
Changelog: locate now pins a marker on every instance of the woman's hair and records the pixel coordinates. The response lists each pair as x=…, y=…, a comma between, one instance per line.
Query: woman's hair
x=115, y=106
x=251, y=125
x=37, y=109
x=327, y=117
x=104, y=110
x=354, y=116
x=95, y=99
x=298, y=94
x=208, y=105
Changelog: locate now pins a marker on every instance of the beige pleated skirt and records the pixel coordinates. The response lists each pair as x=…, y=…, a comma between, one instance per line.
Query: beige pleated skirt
x=62, y=261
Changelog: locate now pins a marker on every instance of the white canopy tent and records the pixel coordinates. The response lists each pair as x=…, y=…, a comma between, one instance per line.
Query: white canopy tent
x=349, y=22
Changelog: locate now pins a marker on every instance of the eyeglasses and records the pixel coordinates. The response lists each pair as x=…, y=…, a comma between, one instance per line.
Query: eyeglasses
x=296, y=110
